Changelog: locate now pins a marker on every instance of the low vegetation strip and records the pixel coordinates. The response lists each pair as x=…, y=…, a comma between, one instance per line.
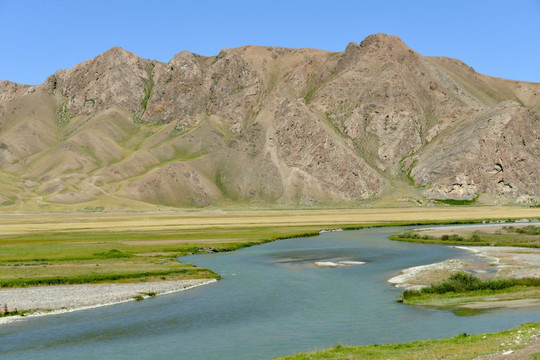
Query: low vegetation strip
x=526, y=236
x=529, y=229
x=106, y=277
x=411, y=235
x=461, y=283
x=460, y=347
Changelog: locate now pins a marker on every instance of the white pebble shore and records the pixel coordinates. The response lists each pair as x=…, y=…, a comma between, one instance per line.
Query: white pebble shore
x=66, y=298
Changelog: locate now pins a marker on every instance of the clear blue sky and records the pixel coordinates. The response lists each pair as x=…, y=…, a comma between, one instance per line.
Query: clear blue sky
x=498, y=38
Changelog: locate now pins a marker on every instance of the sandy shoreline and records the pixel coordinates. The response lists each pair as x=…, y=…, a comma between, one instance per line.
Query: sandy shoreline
x=57, y=299
x=417, y=277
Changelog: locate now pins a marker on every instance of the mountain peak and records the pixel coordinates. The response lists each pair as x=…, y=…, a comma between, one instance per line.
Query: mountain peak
x=117, y=55
x=116, y=51
x=383, y=41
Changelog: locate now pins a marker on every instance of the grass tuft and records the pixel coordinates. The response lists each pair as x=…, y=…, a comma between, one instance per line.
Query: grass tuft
x=112, y=254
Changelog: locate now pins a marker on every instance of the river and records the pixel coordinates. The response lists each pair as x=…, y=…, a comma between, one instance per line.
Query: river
x=271, y=301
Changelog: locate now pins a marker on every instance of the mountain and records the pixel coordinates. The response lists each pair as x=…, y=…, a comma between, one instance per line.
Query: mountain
x=376, y=124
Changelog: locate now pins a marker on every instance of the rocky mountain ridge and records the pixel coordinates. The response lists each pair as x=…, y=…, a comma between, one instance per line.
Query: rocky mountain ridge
x=377, y=123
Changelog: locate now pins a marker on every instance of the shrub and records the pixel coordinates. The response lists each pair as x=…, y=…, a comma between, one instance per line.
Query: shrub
x=113, y=254
x=452, y=237
x=462, y=282
x=408, y=235
x=6, y=312
x=413, y=235
x=475, y=238
x=529, y=230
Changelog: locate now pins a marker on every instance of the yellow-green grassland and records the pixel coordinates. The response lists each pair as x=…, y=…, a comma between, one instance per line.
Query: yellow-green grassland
x=39, y=249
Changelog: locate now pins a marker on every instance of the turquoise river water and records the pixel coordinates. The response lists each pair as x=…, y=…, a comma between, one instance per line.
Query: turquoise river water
x=271, y=301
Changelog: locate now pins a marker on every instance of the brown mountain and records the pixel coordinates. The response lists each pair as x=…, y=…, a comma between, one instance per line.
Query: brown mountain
x=377, y=123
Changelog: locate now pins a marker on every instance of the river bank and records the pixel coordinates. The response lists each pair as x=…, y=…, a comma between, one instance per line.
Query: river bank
x=57, y=299
x=487, y=262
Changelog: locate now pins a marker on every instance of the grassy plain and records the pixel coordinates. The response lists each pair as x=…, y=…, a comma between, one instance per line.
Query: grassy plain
x=462, y=346
x=92, y=247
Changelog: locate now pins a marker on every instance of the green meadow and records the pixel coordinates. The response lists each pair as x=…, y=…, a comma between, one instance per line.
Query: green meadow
x=65, y=248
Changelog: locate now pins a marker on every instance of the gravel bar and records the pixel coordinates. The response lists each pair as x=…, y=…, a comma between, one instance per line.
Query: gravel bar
x=66, y=298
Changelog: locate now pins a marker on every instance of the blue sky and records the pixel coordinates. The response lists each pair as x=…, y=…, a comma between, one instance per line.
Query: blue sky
x=498, y=38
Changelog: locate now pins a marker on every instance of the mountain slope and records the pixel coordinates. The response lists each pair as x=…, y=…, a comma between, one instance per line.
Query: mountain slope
x=377, y=123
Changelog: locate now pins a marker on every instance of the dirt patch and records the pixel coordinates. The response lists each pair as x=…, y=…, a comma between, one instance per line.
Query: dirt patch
x=511, y=261
x=421, y=276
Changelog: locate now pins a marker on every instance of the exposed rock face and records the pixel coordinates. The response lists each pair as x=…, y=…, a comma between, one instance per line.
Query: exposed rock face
x=270, y=125
x=497, y=153
x=115, y=77
x=319, y=158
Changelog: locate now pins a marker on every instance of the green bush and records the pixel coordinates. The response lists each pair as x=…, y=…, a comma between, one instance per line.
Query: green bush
x=475, y=237
x=452, y=237
x=529, y=230
x=112, y=254
x=462, y=282
x=413, y=235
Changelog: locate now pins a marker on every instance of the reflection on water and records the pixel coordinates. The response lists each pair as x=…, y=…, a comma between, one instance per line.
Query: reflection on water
x=273, y=300
x=468, y=312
